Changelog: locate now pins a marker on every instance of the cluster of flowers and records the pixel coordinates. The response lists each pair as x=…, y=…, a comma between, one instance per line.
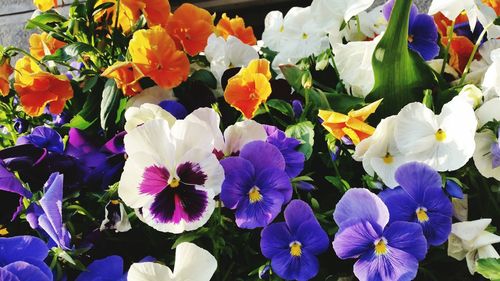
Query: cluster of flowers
x=129, y=127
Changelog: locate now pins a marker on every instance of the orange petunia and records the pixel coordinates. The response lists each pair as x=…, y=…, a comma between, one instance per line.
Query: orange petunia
x=45, y=5
x=126, y=76
x=352, y=125
x=5, y=72
x=460, y=51
x=157, y=56
x=191, y=26
x=248, y=89
x=235, y=27
x=37, y=88
x=43, y=44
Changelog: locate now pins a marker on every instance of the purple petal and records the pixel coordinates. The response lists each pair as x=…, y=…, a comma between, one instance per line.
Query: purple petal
x=44, y=137
x=239, y=179
x=84, y=148
x=184, y=202
x=313, y=238
x=408, y=237
x=401, y=206
x=6, y=275
x=191, y=173
x=495, y=154
x=297, y=108
x=106, y=269
x=276, y=180
x=263, y=155
x=387, y=10
x=297, y=213
x=437, y=229
x=9, y=182
x=415, y=178
x=260, y=213
x=359, y=204
x=42, y=266
x=395, y=265
x=175, y=108
x=26, y=272
x=294, y=160
x=453, y=189
x=301, y=268
x=356, y=239
x=21, y=247
x=424, y=37
x=303, y=185
x=154, y=180
x=275, y=238
x=115, y=145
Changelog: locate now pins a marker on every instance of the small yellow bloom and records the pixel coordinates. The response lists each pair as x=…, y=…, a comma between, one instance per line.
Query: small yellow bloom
x=45, y=5
x=353, y=124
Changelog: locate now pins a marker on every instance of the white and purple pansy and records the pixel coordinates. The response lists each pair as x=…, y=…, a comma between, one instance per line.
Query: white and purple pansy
x=171, y=174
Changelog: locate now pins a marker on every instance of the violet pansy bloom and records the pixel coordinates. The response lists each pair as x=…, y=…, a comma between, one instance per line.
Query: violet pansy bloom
x=256, y=184
x=294, y=244
x=21, y=258
x=12, y=193
x=420, y=199
x=107, y=269
x=423, y=35
x=43, y=137
x=384, y=252
x=294, y=159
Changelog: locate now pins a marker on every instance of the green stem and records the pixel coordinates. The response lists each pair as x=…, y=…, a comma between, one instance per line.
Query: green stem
x=26, y=54
x=448, y=46
x=474, y=51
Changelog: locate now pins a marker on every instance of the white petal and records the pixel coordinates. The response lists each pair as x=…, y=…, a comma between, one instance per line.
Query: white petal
x=468, y=231
x=273, y=35
x=153, y=95
x=482, y=155
x=241, y=133
x=239, y=53
x=209, y=118
x=487, y=252
x=188, y=135
x=488, y=111
x=355, y=7
x=486, y=238
x=456, y=249
x=387, y=171
x=136, y=116
x=216, y=47
x=149, y=271
x=193, y=263
x=450, y=9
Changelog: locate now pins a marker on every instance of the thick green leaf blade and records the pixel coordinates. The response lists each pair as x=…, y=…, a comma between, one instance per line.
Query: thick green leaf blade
x=109, y=104
x=44, y=19
x=281, y=106
x=489, y=268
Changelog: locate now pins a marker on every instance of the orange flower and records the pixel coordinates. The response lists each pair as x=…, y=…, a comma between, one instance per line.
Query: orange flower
x=44, y=44
x=156, y=12
x=37, y=88
x=45, y=5
x=130, y=12
x=156, y=54
x=235, y=27
x=126, y=76
x=352, y=125
x=249, y=88
x=460, y=51
x=5, y=72
x=191, y=26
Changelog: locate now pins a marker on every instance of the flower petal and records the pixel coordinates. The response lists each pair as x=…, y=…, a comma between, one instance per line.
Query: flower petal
x=359, y=204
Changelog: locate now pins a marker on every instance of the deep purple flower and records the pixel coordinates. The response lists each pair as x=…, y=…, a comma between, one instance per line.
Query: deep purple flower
x=21, y=258
x=297, y=108
x=422, y=32
x=294, y=159
x=292, y=246
x=106, y=269
x=12, y=193
x=420, y=199
x=384, y=252
x=47, y=217
x=453, y=189
x=175, y=108
x=256, y=184
x=43, y=137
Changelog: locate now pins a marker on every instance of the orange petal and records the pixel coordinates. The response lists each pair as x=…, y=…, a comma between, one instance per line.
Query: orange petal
x=247, y=94
x=5, y=72
x=261, y=66
x=460, y=50
x=43, y=44
x=45, y=5
x=126, y=76
x=235, y=27
x=366, y=111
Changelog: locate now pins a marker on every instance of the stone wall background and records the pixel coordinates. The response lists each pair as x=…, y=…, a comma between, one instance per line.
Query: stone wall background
x=15, y=13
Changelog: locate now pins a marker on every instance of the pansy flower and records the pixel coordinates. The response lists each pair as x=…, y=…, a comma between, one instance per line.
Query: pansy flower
x=292, y=246
x=235, y=27
x=294, y=159
x=256, y=184
x=126, y=76
x=248, y=89
x=45, y=5
x=43, y=44
x=171, y=174
x=487, y=154
x=420, y=199
x=12, y=193
x=5, y=71
x=22, y=258
x=43, y=137
x=384, y=252
x=37, y=88
x=108, y=268
x=190, y=26
x=191, y=263
x=351, y=125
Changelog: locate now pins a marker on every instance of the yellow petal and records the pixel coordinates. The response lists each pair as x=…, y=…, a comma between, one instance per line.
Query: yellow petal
x=366, y=111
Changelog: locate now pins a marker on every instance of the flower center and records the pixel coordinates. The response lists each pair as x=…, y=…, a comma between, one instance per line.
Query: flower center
x=304, y=36
x=282, y=28
x=380, y=246
x=254, y=195
x=296, y=249
x=440, y=135
x=422, y=214
x=115, y=202
x=174, y=183
x=388, y=159
x=3, y=230
x=410, y=38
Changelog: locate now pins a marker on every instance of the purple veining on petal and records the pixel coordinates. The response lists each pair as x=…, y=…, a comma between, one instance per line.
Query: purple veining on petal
x=191, y=173
x=185, y=202
x=154, y=180
x=495, y=154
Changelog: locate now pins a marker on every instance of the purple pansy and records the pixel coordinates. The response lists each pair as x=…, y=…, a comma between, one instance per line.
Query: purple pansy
x=420, y=199
x=256, y=184
x=384, y=252
x=422, y=32
x=12, y=193
x=294, y=160
x=43, y=137
x=106, y=269
x=292, y=246
x=47, y=217
x=21, y=258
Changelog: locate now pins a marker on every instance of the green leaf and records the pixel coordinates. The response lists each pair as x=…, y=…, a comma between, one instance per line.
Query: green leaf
x=88, y=115
x=401, y=75
x=338, y=183
x=190, y=236
x=281, y=106
x=304, y=132
x=206, y=77
x=79, y=122
x=109, y=104
x=44, y=19
x=497, y=21
x=489, y=268
x=70, y=51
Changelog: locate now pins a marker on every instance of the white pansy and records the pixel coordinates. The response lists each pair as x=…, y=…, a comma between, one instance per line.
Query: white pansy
x=483, y=158
x=115, y=217
x=224, y=54
x=136, y=116
x=191, y=263
x=371, y=24
x=478, y=67
x=274, y=35
x=354, y=64
x=153, y=95
x=380, y=154
x=471, y=241
x=444, y=141
x=472, y=95
x=491, y=83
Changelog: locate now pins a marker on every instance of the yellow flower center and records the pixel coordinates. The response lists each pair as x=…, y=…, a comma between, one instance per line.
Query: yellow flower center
x=305, y=36
x=380, y=246
x=296, y=249
x=440, y=135
x=422, y=214
x=388, y=159
x=174, y=183
x=254, y=195
x=3, y=230
x=115, y=202
x=282, y=28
